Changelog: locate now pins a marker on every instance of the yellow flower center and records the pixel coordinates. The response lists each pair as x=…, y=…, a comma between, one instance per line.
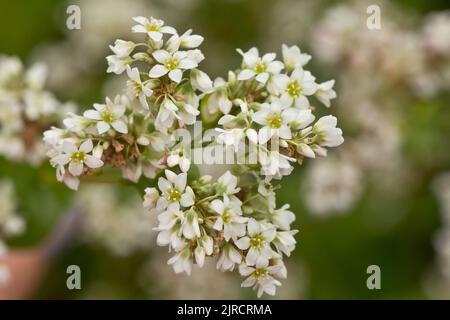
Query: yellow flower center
x=261, y=272
x=226, y=216
x=257, y=241
x=294, y=89
x=173, y=195
x=107, y=116
x=260, y=67
x=171, y=64
x=78, y=156
x=274, y=121
x=152, y=27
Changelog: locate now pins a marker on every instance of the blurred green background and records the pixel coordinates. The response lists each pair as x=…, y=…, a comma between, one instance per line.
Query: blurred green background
x=389, y=228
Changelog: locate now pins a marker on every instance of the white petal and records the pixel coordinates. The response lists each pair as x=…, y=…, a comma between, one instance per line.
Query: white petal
x=175, y=75
x=102, y=127
x=246, y=74
x=158, y=71
x=75, y=168
x=161, y=56
x=86, y=146
x=93, y=162
x=120, y=126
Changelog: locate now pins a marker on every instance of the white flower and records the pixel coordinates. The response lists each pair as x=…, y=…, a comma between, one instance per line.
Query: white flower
x=75, y=123
x=229, y=257
x=230, y=218
x=187, y=113
x=189, y=40
x=274, y=164
x=182, y=161
x=182, y=261
x=150, y=198
x=117, y=64
x=325, y=92
x=227, y=183
x=261, y=277
x=295, y=88
x=174, y=64
x=153, y=27
x=190, y=226
x=275, y=120
x=108, y=115
x=257, y=242
x=282, y=217
x=136, y=88
x=122, y=48
x=174, y=190
x=77, y=157
x=260, y=68
x=327, y=134
x=200, y=81
x=293, y=58
x=284, y=241
x=230, y=137
x=166, y=115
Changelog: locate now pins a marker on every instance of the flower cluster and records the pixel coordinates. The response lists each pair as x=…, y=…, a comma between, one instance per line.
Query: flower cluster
x=235, y=222
x=10, y=222
x=134, y=131
x=273, y=113
x=265, y=106
x=26, y=110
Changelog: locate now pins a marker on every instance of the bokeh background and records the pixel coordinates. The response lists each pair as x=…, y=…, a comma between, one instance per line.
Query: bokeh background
x=381, y=198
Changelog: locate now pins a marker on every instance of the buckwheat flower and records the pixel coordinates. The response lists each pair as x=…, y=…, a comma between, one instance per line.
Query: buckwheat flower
x=257, y=242
x=274, y=164
x=301, y=118
x=77, y=157
x=166, y=115
x=259, y=68
x=261, y=277
x=266, y=190
x=207, y=243
x=295, y=88
x=170, y=217
x=150, y=198
x=285, y=242
x=275, y=120
x=229, y=257
x=117, y=64
x=108, y=115
x=154, y=28
x=230, y=137
x=199, y=254
x=174, y=64
x=195, y=55
x=75, y=123
x=136, y=88
x=229, y=218
x=171, y=237
x=182, y=261
x=174, y=190
x=282, y=217
x=122, y=48
x=201, y=81
x=293, y=57
x=227, y=183
x=190, y=226
x=39, y=103
x=190, y=41
x=325, y=92
x=327, y=135
x=187, y=114
x=182, y=161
